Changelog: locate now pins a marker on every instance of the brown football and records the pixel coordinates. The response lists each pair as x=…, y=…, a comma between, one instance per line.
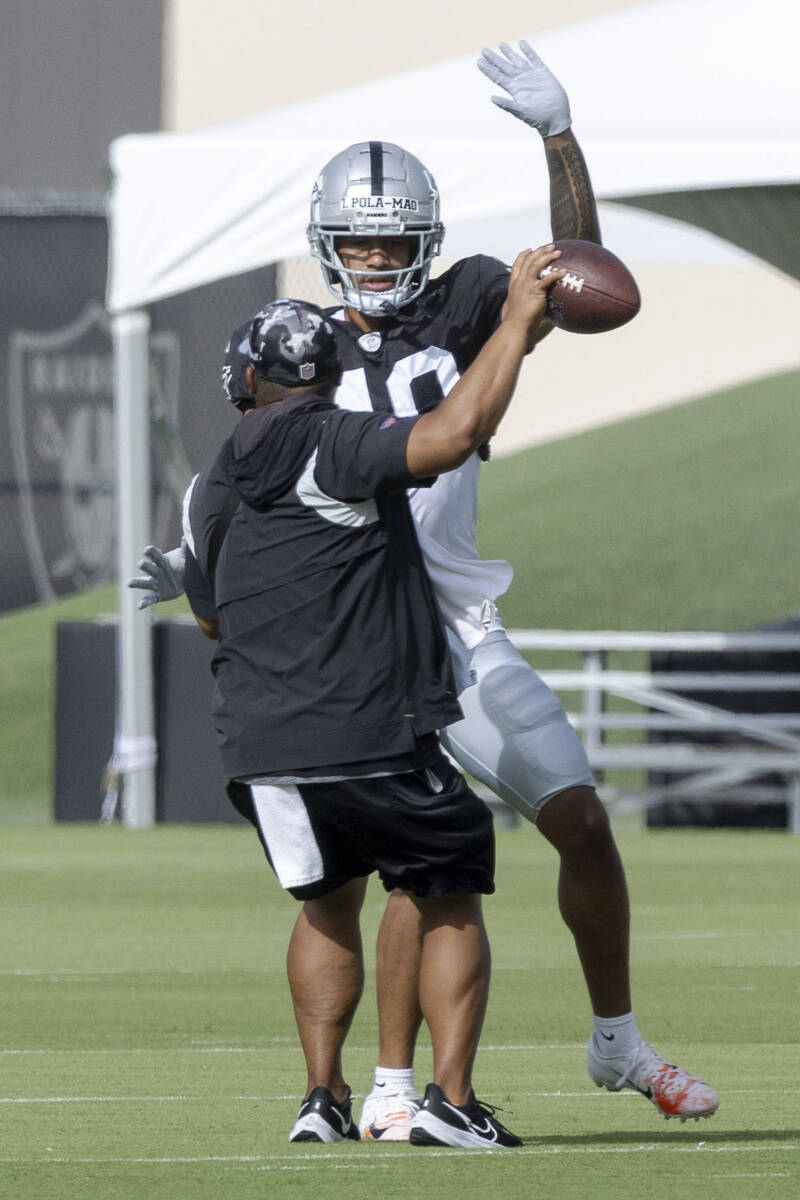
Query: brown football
x=598, y=292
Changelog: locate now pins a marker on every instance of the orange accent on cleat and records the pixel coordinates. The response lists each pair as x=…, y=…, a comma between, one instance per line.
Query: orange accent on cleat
x=677, y=1094
x=672, y=1090
x=388, y=1118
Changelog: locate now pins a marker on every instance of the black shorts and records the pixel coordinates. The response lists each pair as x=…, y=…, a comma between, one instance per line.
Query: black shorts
x=424, y=831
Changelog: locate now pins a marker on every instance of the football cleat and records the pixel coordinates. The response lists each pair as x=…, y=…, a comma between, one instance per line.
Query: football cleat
x=674, y=1093
x=323, y=1119
x=440, y=1123
x=387, y=1116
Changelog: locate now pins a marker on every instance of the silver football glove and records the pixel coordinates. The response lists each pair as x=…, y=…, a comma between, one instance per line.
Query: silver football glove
x=163, y=578
x=537, y=97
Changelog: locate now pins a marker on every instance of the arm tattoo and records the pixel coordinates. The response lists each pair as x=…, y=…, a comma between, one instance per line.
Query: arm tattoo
x=573, y=212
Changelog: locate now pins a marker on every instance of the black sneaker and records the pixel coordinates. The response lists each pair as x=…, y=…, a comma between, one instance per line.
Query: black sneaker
x=440, y=1123
x=323, y=1119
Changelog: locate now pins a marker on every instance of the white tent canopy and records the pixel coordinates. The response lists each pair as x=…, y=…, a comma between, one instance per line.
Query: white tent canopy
x=670, y=99
x=669, y=96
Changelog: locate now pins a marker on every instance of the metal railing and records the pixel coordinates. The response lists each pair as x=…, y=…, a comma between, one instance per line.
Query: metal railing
x=736, y=769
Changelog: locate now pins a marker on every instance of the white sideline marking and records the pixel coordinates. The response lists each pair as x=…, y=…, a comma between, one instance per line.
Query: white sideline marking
x=133, y=1099
x=595, y=1094
x=726, y=988
x=162, y=1050
x=275, y=1162
x=74, y=974
x=87, y=1099
x=268, y=1049
x=692, y=935
x=754, y=1175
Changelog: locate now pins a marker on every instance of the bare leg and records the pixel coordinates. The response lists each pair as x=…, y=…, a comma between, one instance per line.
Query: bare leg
x=454, y=986
x=592, y=894
x=399, y=953
x=326, y=976
x=593, y=900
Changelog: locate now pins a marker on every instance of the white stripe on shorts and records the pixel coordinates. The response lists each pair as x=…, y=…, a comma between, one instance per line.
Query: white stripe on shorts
x=286, y=828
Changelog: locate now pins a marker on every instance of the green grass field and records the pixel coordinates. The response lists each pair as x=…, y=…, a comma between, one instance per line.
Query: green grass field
x=148, y=1048
x=685, y=518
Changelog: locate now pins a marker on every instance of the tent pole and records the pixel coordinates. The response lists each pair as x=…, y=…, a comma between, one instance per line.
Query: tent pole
x=134, y=743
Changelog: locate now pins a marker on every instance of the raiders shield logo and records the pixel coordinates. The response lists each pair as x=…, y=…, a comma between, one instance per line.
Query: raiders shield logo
x=61, y=414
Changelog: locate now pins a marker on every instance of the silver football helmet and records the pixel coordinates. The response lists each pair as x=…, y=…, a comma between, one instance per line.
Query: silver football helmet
x=375, y=189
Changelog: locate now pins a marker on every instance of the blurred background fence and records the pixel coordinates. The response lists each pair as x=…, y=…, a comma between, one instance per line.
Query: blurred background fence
x=705, y=731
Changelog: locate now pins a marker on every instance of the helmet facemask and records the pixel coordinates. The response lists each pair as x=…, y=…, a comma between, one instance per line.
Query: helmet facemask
x=408, y=282
x=375, y=189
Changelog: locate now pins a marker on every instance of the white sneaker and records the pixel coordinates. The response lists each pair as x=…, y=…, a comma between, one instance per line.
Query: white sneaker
x=387, y=1116
x=674, y=1093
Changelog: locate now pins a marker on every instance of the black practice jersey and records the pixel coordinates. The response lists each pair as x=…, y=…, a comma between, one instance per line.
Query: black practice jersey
x=408, y=367
x=420, y=353
x=331, y=648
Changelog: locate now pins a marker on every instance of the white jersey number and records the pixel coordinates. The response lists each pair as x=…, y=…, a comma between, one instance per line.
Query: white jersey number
x=353, y=393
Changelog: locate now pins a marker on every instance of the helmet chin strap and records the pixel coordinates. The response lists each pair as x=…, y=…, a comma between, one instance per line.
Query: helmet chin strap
x=374, y=303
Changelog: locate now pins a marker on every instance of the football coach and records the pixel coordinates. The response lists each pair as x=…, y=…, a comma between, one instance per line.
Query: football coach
x=331, y=679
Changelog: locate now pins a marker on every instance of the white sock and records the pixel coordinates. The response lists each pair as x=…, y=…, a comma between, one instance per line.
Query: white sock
x=395, y=1079
x=615, y=1036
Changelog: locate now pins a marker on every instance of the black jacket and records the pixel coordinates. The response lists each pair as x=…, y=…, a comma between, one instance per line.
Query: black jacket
x=331, y=648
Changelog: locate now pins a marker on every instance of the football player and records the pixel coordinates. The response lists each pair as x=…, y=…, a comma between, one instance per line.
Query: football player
x=404, y=342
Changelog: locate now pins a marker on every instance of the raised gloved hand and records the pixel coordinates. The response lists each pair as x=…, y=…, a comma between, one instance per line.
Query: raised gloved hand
x=537, y=97
x=163, y=578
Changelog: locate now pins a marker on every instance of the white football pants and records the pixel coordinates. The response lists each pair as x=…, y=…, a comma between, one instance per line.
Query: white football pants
x=515, y=736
